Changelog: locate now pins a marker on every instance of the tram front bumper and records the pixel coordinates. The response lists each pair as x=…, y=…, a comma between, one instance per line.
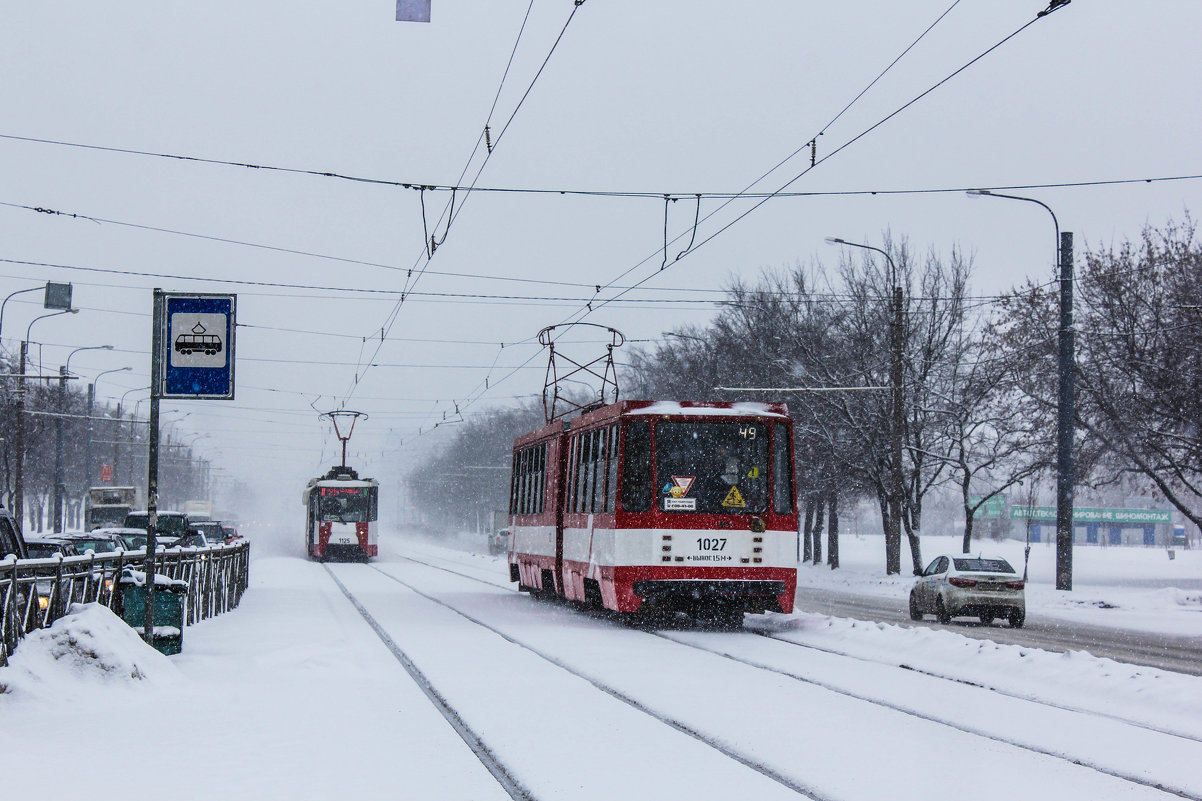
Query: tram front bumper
x=687, y=594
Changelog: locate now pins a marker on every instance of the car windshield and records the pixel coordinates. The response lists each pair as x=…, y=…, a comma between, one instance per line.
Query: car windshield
x=344, y=504
x=97, y=545
x=983, y=565
x=173, y=525
x=134, y=542
x=39, y=550
x=712, y=467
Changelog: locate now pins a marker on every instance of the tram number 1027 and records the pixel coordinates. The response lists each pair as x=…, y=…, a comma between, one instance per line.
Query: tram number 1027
x=711, y=544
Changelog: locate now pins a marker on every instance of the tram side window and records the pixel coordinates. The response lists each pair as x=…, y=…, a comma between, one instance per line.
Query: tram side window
x=636, y=467
x=611, y=471
x=597, y=472
x=542, y=482
x=526, y=481
x=584, y=457
x=574, y=474
x=538, y=476
x=782, y=473
x=513, y=483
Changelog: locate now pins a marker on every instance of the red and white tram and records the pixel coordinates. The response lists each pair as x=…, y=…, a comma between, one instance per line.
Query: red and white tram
x=644, y=506
x=340, y=516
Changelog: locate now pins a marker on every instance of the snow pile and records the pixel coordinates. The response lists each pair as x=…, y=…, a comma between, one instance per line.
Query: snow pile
x=1075, y=679
x=87, y=647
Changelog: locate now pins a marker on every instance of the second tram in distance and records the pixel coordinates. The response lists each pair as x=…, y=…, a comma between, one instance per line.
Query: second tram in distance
x=643, y=506
x=340, y=516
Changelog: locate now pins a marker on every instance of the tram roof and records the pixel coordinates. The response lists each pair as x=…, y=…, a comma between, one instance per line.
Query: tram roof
x=633, y=408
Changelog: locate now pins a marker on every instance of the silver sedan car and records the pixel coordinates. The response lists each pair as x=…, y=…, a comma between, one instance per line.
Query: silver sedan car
x=984, y=587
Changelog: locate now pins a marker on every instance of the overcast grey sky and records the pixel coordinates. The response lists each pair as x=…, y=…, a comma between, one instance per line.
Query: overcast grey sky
x=658, y=97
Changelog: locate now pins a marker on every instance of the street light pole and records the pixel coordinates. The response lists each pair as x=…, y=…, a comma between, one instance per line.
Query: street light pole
x=1066, y=401
x=19, y=501
x=897, y=419
x=87, y=459
x=59, y=487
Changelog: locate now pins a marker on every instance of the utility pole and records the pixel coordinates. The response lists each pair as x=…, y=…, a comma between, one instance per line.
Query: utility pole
x=1066, y=409
x=19, y=501
x=1066, y=400
x=57, y=493
x=893, y=547
x=87, y=454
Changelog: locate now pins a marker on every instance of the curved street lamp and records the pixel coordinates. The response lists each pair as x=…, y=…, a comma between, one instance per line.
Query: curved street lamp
x=1066, y=401
x=893, y=533
x=5, y=303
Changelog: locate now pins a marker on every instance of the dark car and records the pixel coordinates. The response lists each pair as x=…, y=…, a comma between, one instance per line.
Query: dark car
x=11, y=541
x=49, y=548
x=169, y=528
x=12, y=545
x=203, y=534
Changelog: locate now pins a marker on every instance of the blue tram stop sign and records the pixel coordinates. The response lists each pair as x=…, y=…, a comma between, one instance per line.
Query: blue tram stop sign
x=197, y=352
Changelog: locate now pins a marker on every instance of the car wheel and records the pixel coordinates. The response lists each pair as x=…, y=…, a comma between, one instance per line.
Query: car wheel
x=986, y=620
x=941, y=613
x=1017, y=618
x=915, y=612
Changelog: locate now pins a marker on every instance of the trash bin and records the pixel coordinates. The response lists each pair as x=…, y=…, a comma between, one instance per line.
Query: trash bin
x=169, y=596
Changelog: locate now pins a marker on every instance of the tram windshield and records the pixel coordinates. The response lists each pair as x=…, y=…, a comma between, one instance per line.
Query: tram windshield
x=345, y=504
x=711, y=467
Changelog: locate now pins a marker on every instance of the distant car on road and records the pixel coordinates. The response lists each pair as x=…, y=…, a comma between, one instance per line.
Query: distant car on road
x=957, y=585
x=231, y=532
x=499, y=542
x=203, y=534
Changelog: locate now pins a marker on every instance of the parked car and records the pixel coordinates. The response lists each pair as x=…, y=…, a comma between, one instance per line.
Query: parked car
x=48, y=548
x=957, y=585
x=12, y=544
x=231, y=532
x=170, y=526
x=101, y=540
x=134, y=538
x=11, y=541
x=499, y=541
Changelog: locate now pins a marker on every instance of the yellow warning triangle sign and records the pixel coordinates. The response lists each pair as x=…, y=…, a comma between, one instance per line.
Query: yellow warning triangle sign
x=733, y=498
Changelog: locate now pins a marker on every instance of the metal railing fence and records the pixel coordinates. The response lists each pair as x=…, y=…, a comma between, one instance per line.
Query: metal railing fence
x=36, y=592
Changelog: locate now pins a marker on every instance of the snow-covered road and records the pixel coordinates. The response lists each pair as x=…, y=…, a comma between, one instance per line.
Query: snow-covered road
x=309, y=689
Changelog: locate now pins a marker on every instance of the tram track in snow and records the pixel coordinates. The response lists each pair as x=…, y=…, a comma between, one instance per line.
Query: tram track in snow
x=907, y=709
x=470, y=737
x=605, y=614
x=745, y=760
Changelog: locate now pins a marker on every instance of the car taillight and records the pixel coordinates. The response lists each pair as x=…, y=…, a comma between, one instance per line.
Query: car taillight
x=1015, y=585
x=956, y=581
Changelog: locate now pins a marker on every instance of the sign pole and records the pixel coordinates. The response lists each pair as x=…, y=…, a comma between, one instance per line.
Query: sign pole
x=152, y=462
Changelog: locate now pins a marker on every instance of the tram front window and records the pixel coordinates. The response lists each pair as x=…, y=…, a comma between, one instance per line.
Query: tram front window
x=718, y=468
x=344, y=505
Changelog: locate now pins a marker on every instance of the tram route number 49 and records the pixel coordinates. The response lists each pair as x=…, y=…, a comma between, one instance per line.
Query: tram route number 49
x=711, y=544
